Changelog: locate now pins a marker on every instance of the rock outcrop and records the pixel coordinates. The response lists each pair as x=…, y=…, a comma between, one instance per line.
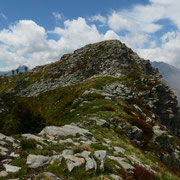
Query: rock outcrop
x=101, y=112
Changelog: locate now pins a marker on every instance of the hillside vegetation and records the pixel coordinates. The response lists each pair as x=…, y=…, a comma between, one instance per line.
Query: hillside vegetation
x=99, y=113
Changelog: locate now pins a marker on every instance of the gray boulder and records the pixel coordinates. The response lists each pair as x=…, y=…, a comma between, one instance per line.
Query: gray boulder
x=101, y=156
x=67, y=130
x=35, y=161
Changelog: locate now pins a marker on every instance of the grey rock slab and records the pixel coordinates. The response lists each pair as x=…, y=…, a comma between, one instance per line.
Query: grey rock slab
x=3, y=149
x=88, y=142
x=34, y=137
x=3, y=174
x=56, y=158
x=38, y=146
x=67, y=130
x=108, y=141
x=67, y=152
x=101, y=155
x=2, y=143
x=115, y=177
x=35, y=161
x=6, y=161
x=134, y=160
x=158, y=132
x=11, y=169
x=90, y=162
x=122, y=163
x=73, y=161
x=137, y=133
x=100, y=122
x=68, y=141
x=14, y=155
x=7, y=138
x=2, y=153
x=118, y=150
x=48, y=175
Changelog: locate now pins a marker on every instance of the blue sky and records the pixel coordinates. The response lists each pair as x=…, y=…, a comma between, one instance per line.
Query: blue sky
x=41, y=11
x=37, y=32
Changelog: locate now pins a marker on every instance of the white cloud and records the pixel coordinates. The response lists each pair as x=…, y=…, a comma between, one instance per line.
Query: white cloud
x=27, y=43
x=57, y=16
x=168, y=52
x=141, y=24
x=99, y=18
x=77, y=33
x=23, y=43
x=3, y=16
x=136, y=19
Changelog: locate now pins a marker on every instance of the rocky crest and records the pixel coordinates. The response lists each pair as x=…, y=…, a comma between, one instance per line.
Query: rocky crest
x=99, y=113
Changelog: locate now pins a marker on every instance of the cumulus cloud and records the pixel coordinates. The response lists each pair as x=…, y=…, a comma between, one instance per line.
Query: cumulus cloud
x=77, y=33
x=57, y=16
x=3, y=16
x=25, y=42
x=136, y=19
x=142, y=22
x=168, y=52
x=99, y=18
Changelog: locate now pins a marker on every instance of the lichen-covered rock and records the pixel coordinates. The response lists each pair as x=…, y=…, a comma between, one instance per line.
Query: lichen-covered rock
x=73, y=161
x=101, y=156
x=122, y=163
x=90, y=162
x=67, y=130
x=162, y=137
x=172, y=158
x=47, y=176
x=3, y=174
x=35, y=161
x=11, y=169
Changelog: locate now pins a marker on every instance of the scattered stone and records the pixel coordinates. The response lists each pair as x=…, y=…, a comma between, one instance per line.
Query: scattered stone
x=3, y=149
x=38, y=146
x=68, y=141
x=47, y=176
x=101, y=155
x=3, y=174
x=34, y=137
x=137, y=133
x=56, y=158
x=126, y=166
x=90, y=162
x=7, y=138
x=67, y=130
x=118, y=150
x=162, y=138
x=108, y=141
x=115, y=177
x=11, y=169
x=67, y=152
x=100, y=122
x=14, y=155
x=35, y=161
x=73, y=161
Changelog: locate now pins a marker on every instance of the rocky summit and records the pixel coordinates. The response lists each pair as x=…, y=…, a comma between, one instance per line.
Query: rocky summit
x=100, y=113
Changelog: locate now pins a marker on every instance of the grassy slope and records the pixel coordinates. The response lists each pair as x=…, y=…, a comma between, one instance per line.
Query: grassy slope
x=54, y=108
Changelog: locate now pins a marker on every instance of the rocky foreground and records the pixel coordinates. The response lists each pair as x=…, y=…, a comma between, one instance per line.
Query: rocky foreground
x=74, y=149
x=100, y=113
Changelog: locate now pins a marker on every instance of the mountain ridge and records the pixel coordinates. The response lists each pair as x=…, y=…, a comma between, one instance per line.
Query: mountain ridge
x=101, y=112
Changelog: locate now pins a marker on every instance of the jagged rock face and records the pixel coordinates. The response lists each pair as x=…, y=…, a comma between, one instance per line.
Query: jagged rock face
x=101, y=106
x=108, y=58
